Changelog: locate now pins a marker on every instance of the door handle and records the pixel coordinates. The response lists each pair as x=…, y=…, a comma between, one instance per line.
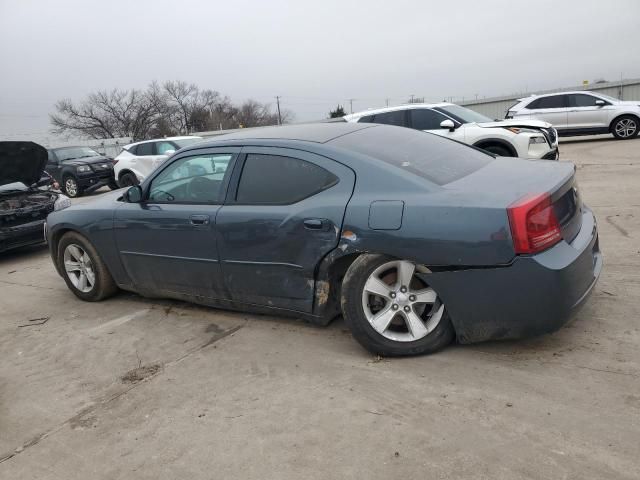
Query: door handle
x=199, y=219
x=317, y=224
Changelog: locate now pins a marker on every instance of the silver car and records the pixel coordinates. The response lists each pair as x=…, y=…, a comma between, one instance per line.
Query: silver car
x=581, y=113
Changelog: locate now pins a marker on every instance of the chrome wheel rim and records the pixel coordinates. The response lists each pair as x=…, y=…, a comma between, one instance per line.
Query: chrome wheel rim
x=71, y=187
x=398, y=305
x=79, y=268
x=626, y=127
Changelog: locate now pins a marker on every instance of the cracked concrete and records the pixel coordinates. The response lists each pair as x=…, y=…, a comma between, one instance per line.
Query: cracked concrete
x=246, y=396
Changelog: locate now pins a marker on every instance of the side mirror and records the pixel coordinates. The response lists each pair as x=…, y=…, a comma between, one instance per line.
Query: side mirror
x=600, y=103
x=168, y=153
x=448, y=124
x=133, y=194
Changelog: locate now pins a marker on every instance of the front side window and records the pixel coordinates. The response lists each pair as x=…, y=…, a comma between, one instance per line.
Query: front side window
x=196, y=179
x=426, y=119
x=163, y=147
x=144, y=149
x=554, y=101
x=279, y=180
x=582, y=100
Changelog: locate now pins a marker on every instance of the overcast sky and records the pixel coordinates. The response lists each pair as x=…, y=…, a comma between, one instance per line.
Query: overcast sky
x=314, y=54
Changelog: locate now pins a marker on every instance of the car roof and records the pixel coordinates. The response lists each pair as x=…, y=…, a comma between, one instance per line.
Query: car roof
x=162, y=139
x=571, y=92
x=407, y=106
x=308, y=132
x=71, y=146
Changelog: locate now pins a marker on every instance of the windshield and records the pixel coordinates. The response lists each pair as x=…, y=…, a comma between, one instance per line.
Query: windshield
x=183, y=142
x=75, y=152
x=463, y=115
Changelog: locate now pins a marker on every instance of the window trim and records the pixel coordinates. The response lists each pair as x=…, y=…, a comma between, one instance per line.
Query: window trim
x=232, y=191
x=224, y=187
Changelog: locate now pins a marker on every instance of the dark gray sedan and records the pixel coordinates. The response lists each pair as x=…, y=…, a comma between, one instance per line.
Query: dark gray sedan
x=414, y=239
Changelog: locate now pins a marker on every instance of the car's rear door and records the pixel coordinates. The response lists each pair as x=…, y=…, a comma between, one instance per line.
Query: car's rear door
x=584, y=114
x=145, y=161
x=552, y=109
x=283, y=214
x=168, y=241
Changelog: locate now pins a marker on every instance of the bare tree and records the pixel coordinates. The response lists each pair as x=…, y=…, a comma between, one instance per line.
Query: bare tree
x=188, y=108
x=256, y=114
x=106, y=114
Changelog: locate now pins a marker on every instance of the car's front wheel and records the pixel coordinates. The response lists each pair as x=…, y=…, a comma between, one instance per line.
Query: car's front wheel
x=625, y=127
x=84, y=272
x=71, y=187
x=391, y=311
x=128, y=179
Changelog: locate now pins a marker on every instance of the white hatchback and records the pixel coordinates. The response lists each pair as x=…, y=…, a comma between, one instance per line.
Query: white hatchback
x=138, y=160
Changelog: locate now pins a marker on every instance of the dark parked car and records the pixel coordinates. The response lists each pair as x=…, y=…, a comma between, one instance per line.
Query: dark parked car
x=415, y=239
x=25, y=195
x=80, y=170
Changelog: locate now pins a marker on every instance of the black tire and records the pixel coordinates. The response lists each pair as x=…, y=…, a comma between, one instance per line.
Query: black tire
x=104, y=286
x=498, y=150
x=128, y=179
x=365, y=334
x=70, y=186
x=625, y=127
x=113, y=185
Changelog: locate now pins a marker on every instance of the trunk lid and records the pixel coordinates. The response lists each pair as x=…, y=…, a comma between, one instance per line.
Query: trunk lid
x=507, y=180
x=21, y=162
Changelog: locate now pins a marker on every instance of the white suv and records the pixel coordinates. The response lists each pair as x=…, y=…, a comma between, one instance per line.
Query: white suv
x=507, y=138
x=581, y=113
x=138, y=160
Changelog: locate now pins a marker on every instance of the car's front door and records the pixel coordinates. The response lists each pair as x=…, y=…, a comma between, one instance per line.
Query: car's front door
x=552, y=109
x=585, y=114
x=282, y=216
x=168, y=242
x=430, y=120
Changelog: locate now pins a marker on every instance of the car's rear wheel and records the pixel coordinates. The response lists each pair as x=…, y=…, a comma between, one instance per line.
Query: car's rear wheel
x=625, y=127
x=391, y=311
x=128, y=179
x=84, y=272
x=71, y=187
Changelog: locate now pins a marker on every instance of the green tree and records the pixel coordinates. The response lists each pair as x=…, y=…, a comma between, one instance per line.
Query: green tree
x=338, y=112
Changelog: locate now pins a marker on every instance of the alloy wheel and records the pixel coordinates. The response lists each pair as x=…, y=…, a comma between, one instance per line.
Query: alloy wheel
x=71, y=187
x=398, y=305
x=626, y=128
x=79, y=268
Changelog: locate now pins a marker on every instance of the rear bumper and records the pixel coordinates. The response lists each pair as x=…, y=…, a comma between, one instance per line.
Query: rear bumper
x=531, y=296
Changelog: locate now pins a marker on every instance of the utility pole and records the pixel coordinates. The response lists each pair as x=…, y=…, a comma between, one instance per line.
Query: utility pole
x=386, y=101
x=279, y=116
x=351, y=105
x=411, y=100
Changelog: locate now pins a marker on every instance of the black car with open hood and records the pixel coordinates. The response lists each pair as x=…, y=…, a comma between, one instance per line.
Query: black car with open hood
x=25, y=195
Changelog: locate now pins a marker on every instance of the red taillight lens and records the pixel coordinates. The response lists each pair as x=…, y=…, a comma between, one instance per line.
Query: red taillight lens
x=534, y=226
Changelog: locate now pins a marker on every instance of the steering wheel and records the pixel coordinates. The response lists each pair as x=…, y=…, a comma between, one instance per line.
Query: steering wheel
x=199, y=188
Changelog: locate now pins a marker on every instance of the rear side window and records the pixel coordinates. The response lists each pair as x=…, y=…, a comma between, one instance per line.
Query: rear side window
x=144, y=149
x=279, y=180
x=427, y=155
x=555, y=101
x=367, y=119
x=391, y=118
x=426, y=119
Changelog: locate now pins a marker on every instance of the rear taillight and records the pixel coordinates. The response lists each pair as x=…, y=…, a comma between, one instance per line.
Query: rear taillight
x=534, y=226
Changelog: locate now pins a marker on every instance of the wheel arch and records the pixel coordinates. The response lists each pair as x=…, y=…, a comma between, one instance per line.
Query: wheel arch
x=487, y=142
x=618, y=117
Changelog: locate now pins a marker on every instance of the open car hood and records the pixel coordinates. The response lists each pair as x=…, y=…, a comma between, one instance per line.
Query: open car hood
x=21, y=162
